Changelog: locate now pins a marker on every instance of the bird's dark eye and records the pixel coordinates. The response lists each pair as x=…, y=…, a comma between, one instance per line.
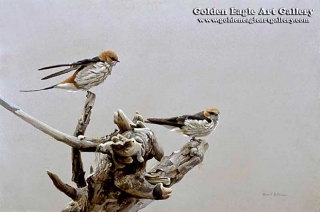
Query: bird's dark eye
x=212, y=113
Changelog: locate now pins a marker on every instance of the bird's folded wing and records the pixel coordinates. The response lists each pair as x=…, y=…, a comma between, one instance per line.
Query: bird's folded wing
x=192, y=117
x=73, y=66
x=86, y=61
x=170, y=122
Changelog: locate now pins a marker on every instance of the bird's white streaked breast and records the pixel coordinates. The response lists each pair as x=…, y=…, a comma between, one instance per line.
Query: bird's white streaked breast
x=93, y=75
x=198, y=128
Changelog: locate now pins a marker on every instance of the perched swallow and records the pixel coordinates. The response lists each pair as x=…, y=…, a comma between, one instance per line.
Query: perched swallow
x=198, y=125
x=88, y=72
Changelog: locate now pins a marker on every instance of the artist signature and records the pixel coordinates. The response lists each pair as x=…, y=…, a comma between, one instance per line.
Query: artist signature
x=274, y=194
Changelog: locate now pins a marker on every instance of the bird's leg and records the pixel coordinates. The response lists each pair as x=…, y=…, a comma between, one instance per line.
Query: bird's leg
x=90, y=93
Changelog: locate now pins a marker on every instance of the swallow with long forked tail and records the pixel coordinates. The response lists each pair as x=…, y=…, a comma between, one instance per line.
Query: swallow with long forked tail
x=87, y=73
x=197, y=125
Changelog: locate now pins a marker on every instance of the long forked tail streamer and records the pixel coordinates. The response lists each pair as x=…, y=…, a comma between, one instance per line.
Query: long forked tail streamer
x=55, y=66
x=42, y=89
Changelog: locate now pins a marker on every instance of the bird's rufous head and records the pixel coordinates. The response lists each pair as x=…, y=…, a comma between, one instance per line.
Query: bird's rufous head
x=109, y=57
x=211, y=113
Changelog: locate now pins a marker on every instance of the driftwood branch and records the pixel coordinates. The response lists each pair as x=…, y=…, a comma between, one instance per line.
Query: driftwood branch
x=120, y=181
x=77, y=165
x=172, y=169
x=83, y=144
x=63, y=187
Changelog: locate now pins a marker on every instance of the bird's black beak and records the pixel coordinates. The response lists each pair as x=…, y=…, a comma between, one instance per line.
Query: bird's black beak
x=118, y=61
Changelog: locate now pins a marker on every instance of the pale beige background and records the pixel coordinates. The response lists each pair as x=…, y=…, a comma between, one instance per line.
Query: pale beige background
x=264, y=78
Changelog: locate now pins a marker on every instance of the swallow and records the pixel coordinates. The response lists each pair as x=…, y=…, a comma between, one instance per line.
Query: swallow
x=87, y=73
x=197, y=125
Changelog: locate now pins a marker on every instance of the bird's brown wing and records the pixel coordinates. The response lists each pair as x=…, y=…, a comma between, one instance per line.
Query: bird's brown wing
x=178, y=121
x=74, y=66
x=80, y=62
x=86, y=61
x=174, y=121
x=197, y=116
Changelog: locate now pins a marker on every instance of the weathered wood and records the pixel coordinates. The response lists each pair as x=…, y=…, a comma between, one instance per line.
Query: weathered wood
x=63, y=187
x=120, y=181
x=83, y=144
x=127, y=180
x=77, y=165
x=172, y=169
